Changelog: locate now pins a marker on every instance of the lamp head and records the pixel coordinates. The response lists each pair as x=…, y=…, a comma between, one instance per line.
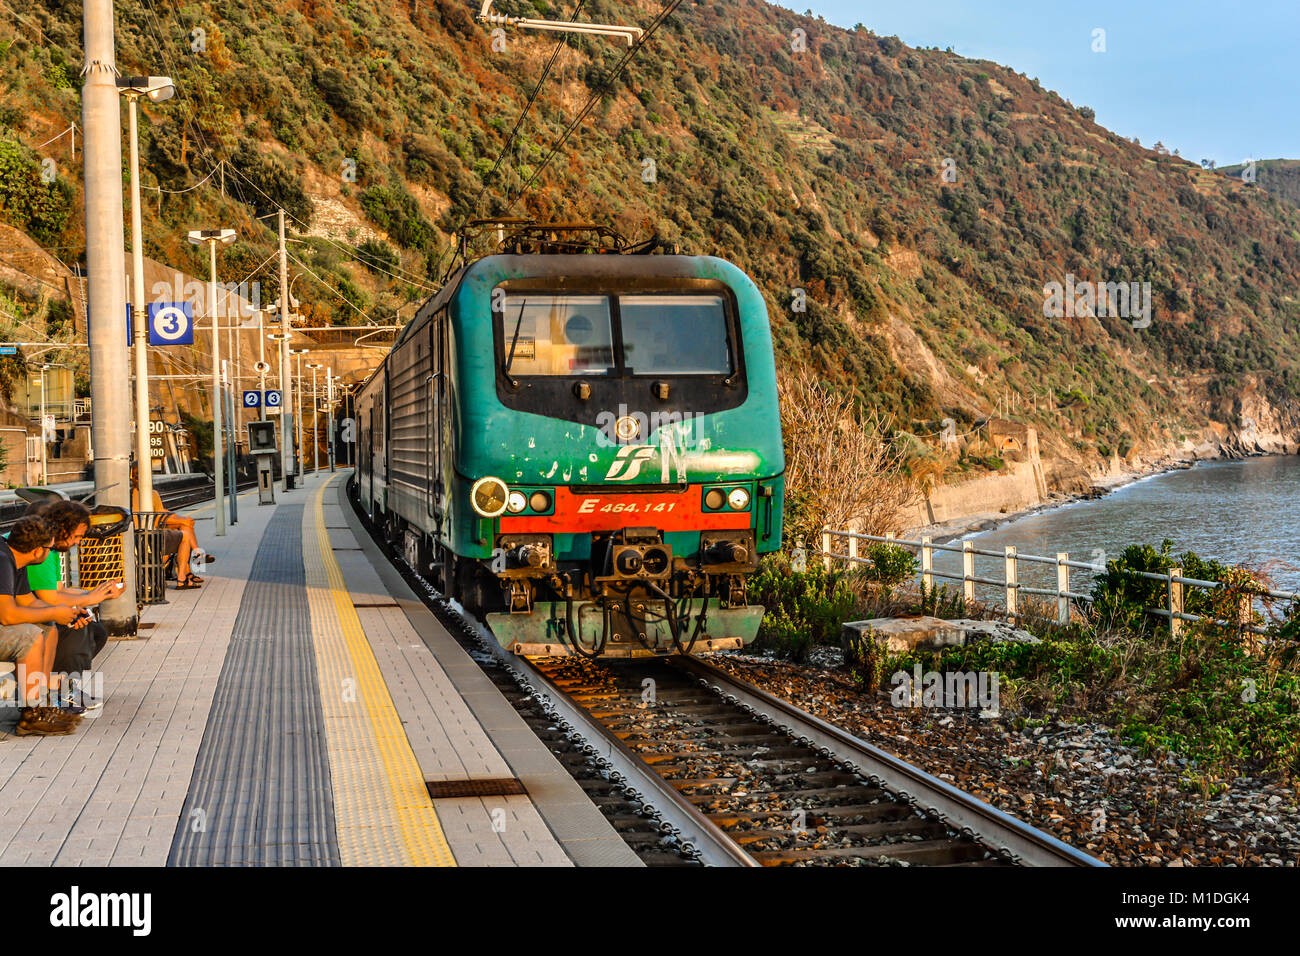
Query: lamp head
x=157, y=88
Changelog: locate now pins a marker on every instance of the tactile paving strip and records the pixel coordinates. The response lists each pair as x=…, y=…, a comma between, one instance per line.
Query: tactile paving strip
x=383, y=813
x=260, y=793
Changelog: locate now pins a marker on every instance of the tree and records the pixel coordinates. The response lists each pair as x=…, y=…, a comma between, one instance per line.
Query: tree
x=841, y=470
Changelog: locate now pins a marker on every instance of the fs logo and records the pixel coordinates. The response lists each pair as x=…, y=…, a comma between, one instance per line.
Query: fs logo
x=627, y=463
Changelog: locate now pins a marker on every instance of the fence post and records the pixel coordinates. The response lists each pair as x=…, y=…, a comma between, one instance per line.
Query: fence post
x=927, y=564
x=1175, y=602
x=1062, y=587
x=826, y=550
x=1013, y=581
x=968, y=571
x=853, y=550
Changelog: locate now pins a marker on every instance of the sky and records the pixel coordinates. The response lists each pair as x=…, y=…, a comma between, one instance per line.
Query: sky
x=1213, y=80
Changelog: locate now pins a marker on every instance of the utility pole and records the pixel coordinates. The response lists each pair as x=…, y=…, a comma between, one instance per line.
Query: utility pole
x=329, y=417
x=45, y=474
x=315, y=419
x=261, y=364
x=101, y=122
x=286, y=386
x=212, y=237
x=297, y=459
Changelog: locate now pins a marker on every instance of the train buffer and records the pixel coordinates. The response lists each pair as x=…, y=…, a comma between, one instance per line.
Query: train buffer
x=302, y=707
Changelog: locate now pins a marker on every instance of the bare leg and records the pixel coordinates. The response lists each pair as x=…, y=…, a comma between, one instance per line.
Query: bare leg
x=183, y=560
x=51, y=647
x=33, y=667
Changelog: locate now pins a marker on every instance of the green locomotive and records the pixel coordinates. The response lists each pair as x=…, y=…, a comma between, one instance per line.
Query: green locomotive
x=583, y=448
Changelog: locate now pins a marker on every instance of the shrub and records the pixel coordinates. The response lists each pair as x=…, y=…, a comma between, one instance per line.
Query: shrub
x=396, y=211
x=803, y=608
x=890, y=566
x=842, y=470
x=377, y=255
x=41, y=208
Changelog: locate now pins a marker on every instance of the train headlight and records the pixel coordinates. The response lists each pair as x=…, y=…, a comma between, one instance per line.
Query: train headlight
x=539, y=501
x=516, y=502
x=489, y=497
x=738, y=499
x=714, y=499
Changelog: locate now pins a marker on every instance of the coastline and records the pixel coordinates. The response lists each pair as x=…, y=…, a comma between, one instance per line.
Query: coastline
x=957, y=528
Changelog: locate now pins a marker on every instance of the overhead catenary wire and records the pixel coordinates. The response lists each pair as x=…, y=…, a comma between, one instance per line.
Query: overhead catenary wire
x=523, y=113
x=598, y=95
x=328, y=286
x=346, y=248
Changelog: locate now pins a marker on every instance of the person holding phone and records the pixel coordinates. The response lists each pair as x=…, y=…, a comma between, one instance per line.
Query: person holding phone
x=85, y=637
x=29, y=635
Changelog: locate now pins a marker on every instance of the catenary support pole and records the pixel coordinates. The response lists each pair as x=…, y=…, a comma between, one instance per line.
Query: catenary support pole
x=101, y=123
x=218, y=454
x=286, y=394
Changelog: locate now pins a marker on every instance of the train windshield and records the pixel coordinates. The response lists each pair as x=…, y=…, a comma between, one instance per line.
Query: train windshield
x=674, y=335
x=557, y=335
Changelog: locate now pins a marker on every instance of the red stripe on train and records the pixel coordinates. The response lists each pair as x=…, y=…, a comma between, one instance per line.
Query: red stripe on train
x=581, y=512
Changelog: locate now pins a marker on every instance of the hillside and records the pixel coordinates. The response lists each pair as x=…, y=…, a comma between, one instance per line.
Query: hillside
x=1281, y=177
x=377, y=127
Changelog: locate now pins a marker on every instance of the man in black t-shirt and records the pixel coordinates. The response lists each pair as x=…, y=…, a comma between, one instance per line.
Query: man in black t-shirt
x=28, y=635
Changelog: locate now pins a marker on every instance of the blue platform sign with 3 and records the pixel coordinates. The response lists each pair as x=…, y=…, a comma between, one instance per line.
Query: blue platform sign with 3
x=171, y=323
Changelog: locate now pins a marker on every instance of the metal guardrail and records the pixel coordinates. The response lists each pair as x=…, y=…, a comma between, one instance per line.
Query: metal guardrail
x=1174, y=581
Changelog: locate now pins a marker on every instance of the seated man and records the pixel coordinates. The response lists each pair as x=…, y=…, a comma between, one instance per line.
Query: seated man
x=180, y=538
x=28, y=635
x=68, y=522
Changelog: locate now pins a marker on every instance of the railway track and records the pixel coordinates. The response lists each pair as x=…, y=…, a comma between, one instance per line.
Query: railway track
x=749, y=779
x=172, y=500
x=693, y=765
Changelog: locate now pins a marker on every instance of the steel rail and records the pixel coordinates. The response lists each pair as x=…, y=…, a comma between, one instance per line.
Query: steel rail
x=693, y=828
x=965, y=814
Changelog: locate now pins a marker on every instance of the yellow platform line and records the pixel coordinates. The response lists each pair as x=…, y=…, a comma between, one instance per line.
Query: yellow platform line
x=383, y=813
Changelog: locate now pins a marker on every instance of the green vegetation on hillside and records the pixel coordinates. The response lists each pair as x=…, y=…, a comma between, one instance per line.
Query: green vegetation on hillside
x=821, y=171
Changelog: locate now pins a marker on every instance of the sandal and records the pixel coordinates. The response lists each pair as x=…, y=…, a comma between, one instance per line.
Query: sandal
x=189, y=584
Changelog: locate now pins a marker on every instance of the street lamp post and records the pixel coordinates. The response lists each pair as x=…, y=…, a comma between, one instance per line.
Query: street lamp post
x=45, y=475
x=299, y=466
x=329, y=419
x=213, y=237
x=157, y=88
x=285, y=414
x=315, y=417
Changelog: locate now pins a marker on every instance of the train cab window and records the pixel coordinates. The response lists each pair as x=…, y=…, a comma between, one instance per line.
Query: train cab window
x=674, y=335
x=556, y=335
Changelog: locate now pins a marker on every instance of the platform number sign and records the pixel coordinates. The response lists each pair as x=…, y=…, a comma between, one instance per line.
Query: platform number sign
x=253, y=399
x=171, y=323
x=272, y=398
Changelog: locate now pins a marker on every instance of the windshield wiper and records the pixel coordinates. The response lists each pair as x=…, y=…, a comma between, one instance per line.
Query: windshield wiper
x=510, y=359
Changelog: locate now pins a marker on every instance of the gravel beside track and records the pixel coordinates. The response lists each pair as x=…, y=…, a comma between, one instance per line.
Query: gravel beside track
x=1072, y=780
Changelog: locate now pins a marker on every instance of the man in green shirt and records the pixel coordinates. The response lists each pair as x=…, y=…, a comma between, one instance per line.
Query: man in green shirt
x=68, y=521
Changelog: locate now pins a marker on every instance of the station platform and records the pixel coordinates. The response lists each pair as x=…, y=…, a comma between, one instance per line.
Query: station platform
x=292, y=712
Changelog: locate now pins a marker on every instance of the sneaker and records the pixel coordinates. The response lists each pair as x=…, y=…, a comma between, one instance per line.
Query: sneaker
x=44, y=722
x=80, y=696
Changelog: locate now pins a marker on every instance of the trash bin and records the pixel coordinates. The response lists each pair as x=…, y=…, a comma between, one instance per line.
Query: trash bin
x=150, y=557
x=99, y=556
